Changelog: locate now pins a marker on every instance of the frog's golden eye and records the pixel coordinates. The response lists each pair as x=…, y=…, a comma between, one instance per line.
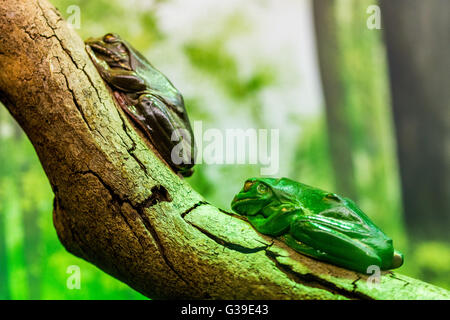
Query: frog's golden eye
x=109, y=38
x=262, y=188
x=332, y=196
x=248, y=185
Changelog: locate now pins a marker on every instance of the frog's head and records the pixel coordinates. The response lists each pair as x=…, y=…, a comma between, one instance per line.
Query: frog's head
x=112, y=49
x=257, y=194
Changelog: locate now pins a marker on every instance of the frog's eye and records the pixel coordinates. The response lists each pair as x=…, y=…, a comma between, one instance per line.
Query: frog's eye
x=262, y=188
x=248, y=185
x=332, y=196
x=110, y=37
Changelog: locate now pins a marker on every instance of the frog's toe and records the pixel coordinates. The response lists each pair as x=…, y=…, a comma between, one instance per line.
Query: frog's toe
x=397, y=259
x=185, y=172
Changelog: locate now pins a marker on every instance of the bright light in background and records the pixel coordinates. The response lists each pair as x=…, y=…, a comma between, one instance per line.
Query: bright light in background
x=279, y=33
x=270, y=33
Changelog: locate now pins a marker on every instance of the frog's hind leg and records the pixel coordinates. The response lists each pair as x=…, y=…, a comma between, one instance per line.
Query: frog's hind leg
x=317, y=254
x=166, y=132
x=127, y=81
x=303, y=248
x=338, y=248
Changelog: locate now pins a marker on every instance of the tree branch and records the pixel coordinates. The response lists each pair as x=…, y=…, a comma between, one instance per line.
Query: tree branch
x=119, y=206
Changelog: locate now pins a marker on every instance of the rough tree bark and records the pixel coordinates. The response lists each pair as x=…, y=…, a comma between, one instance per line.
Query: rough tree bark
x=120, y=207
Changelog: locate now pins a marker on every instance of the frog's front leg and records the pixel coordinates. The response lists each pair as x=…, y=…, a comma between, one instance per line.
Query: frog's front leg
x=321, y=240
x=277, y=223
x=121, y=79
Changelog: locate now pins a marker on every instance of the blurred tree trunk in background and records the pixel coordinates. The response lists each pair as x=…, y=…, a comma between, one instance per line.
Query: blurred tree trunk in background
x=360, y=129
x=339, y=136
x=418, y=47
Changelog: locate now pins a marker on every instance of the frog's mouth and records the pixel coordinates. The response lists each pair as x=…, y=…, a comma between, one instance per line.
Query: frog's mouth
x=246, y=206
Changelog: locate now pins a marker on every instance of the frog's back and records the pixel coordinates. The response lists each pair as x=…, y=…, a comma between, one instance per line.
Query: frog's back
x=156, y=80
x=306, y=195
x=318, y=201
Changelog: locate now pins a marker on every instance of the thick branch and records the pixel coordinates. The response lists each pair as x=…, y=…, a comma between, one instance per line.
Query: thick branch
x=120, y=207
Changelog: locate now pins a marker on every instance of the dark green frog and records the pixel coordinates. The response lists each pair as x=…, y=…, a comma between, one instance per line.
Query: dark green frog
x=148, y=97
x=317, y=223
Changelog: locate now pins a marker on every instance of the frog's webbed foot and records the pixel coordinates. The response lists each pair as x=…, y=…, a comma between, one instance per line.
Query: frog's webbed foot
x=99, y=63
x=121, y=79
x=185, y=173
x=327, y=244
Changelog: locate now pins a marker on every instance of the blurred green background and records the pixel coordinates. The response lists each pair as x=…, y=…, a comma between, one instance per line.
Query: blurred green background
x=252, y=64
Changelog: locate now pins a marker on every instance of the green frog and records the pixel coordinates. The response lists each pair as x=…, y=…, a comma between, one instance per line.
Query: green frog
x=148, y=97
x=317, y=223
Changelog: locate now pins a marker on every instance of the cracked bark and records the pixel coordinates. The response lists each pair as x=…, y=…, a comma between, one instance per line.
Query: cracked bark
x=119, y=206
